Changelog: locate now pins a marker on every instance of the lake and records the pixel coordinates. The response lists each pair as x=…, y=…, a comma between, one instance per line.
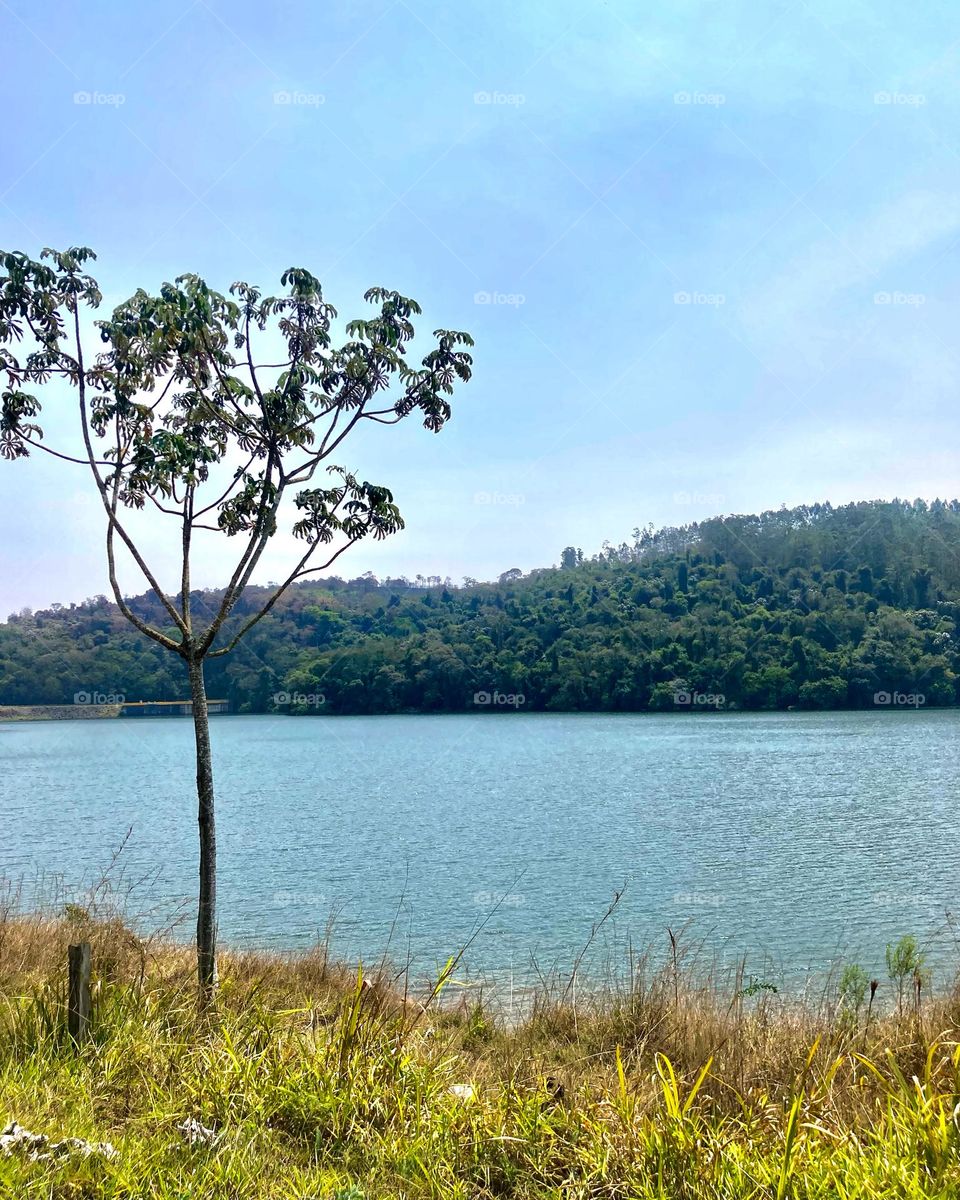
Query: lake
x=790, y=837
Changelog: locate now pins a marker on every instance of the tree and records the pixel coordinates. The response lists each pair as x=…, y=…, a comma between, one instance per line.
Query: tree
x=194, y=424
x=904, y=959
x=828, y=692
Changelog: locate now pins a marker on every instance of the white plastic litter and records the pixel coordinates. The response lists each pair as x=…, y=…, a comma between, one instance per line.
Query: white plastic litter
x=197, y=1134
x=38, y=1148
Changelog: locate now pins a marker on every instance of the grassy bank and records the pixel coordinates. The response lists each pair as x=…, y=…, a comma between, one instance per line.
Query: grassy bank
x=316, y=1082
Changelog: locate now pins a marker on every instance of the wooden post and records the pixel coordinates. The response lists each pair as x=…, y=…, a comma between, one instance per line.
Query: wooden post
x=79, y=1006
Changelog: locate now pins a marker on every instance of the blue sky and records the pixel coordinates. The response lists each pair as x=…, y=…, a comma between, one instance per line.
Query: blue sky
x=718, y=243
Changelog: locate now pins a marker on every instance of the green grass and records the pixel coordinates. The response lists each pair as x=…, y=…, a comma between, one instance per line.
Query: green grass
x=320, y=1085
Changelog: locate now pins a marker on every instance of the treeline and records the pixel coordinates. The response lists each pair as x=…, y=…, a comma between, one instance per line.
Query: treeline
x=810, y=607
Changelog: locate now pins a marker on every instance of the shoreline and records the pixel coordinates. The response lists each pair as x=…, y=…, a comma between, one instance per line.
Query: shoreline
x=59, y=712
x=38, y=713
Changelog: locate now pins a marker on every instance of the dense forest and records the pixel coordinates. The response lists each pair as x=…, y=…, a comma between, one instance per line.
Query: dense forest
x=810, y=607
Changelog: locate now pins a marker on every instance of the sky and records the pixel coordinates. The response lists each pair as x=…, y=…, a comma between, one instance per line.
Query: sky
x=709, y=252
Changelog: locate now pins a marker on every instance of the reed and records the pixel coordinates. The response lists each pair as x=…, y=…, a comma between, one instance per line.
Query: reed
x=315, y=1080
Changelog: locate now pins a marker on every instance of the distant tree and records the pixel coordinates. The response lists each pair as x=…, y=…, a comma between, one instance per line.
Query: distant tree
x=510, y=576
x=829, y=692
x=761, y=631
x=921, y=582
x=177, y=411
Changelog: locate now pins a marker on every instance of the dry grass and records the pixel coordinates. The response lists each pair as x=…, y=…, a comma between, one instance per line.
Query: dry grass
x=320, y=1081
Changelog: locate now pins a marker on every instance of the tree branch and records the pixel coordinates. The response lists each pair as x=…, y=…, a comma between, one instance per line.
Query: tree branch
x=185, y=572
x=297, y=572
x=101, y=486
x=216, y=503
x=83, y=462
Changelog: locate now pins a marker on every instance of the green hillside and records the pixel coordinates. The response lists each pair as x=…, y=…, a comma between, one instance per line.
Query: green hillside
x=811, y=607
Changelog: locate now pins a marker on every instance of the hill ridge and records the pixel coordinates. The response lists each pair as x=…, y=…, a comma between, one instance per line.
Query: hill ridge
x=814, y=606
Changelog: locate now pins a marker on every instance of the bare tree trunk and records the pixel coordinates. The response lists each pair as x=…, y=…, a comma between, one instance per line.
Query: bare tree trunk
x=207, y=911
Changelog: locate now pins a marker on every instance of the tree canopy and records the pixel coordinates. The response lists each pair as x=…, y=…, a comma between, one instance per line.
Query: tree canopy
x=184, y=409
x=810, y=607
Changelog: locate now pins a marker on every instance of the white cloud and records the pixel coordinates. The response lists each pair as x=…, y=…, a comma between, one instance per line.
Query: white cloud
x=856, y=255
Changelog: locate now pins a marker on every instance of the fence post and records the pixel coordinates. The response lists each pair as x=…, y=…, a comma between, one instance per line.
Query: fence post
x=79, y=1007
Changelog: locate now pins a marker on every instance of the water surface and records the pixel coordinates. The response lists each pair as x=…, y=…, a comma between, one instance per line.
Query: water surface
x=790, y=837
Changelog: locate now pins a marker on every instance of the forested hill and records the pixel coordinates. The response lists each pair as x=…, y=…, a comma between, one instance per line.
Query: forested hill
x=814, y=607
